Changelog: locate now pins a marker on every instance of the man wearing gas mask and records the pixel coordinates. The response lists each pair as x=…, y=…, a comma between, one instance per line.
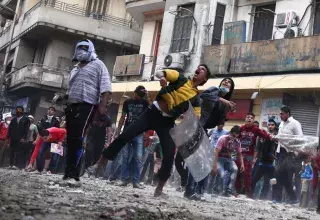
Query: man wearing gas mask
x=89, y=92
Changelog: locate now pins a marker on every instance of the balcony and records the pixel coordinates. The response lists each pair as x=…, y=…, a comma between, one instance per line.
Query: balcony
x=76, y=20
x=285, y=55
x=39, y=76
x=137, y=8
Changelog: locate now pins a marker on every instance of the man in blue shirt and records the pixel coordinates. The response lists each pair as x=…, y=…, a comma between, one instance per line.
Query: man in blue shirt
x=215, y=134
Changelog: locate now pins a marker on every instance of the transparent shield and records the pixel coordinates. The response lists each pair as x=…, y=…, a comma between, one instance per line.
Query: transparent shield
x=193, y=145
x=299, y=144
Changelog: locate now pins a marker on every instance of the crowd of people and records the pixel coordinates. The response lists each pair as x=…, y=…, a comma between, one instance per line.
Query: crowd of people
x=247, y=159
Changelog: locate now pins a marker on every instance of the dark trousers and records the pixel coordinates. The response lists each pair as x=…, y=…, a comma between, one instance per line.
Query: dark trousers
x=195, y=187
x=267, y=173
x=284, y=180
x=44, y=154
x=151, y=119
x=78, y=117
x=183, y=172
x=149, y=163
x=19, y=153
x=318, y=195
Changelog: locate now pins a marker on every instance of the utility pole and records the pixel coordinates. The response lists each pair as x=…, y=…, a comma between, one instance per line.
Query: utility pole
x=6, y=58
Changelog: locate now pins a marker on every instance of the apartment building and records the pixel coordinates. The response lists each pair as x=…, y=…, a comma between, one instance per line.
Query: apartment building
x=269, y=47
x=44, y=36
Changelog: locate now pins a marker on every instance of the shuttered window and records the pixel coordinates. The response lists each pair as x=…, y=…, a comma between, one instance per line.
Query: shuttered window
x=182, y=29
x=218, y=24
x=263, y=22
x=316, y=27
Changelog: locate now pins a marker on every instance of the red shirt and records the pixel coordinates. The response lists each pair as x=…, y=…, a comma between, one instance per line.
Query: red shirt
x=147, y=136
x=57, y=135
x=248, y=138
x=3, y=131
x=316, y=172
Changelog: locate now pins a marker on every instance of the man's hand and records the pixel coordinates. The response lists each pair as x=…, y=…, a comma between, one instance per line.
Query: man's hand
x=241, y=168
x=254, y=161
x=34, y=143
x=22, y=140
x=163, y=82
x=214, y=170
x=231, y=105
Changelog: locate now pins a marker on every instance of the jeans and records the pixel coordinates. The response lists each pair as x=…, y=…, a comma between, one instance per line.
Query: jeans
x=116, y=167
x=78, y=117
x=151, y=119
x=54, y=162
x=148, y=163
x=44, y=150
x=225, y=164
x=267, y=173
x=243, y=180
x=132, y=160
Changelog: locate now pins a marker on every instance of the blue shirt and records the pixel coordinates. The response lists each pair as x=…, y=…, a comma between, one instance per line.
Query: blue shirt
x=215, y=134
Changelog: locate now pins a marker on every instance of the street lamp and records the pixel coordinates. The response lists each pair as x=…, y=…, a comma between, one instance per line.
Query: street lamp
x=5, y=62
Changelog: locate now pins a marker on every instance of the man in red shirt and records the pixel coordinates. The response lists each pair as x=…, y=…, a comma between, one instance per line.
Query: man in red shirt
x=4, y=127
x=315, y=180
x=248, y=139
x=48, y=136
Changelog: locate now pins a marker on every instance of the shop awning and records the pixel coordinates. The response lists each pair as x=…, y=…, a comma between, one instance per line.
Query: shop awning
x=288, y=81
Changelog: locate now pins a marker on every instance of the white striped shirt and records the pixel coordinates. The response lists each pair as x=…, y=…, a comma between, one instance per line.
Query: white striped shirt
x=86, y=84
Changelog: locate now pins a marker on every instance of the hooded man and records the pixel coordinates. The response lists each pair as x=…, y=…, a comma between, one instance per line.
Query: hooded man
x=18, y=137
x=171, y=102
x=214, y=107
x=89, y=91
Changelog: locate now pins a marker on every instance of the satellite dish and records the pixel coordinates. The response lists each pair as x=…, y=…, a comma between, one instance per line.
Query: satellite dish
x=168, y=60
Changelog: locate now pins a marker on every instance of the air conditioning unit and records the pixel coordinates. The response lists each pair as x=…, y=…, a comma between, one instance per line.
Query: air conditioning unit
x=287, y=33
x=284, y=19
x=175, y=60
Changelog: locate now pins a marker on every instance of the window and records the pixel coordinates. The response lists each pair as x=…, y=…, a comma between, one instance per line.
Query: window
x=316, y=26
x=263, y=22
x=218, y=24
x=97, y=8
x=182, y=29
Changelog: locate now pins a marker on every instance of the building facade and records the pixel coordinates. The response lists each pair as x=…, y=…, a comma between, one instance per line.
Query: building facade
x=269, y=47
x=44, y=36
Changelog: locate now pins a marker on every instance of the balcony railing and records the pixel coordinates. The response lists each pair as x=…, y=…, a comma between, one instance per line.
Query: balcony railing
x=39, y=74
x=5, y=30
x=62, y=6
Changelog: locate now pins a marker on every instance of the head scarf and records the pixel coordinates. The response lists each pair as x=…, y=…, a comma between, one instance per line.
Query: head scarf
x=91, y=54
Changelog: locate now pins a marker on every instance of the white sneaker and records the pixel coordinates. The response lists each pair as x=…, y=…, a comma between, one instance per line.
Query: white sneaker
x=73, y=183
x=14, y=168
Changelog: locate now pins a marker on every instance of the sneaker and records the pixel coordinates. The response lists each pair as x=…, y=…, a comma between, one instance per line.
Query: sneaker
x=293, y=202
x=35, y=172
x=195, y=197
x=124, y=184
x=14, y=168
x=180, y=189
x=137, y=186
x=74, y=183
x=226, y=194
x=92, y=171
x=48, y=172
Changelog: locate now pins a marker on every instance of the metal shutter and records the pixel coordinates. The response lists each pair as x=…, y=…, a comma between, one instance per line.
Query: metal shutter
x=307, y=114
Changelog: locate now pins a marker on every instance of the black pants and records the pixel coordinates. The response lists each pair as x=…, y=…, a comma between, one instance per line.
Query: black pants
x=78, y=117
x=284, y=180
x=149, y=163
x=267, y=173
x=151, y=119
x=183, y=172
x=19, y=154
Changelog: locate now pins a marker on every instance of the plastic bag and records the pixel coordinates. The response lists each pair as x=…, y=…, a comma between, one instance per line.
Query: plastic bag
x=193, y=144
x=57, y=149
x=299, y=144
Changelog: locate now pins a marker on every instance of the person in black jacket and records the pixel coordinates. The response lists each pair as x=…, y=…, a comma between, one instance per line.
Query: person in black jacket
x=50, y=120
x=214, y=108
x=18, y=137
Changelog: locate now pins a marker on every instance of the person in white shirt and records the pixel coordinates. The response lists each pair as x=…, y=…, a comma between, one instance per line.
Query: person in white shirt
x=284, y=173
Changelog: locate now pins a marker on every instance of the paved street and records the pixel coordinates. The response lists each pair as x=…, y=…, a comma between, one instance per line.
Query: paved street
x=32, y=196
